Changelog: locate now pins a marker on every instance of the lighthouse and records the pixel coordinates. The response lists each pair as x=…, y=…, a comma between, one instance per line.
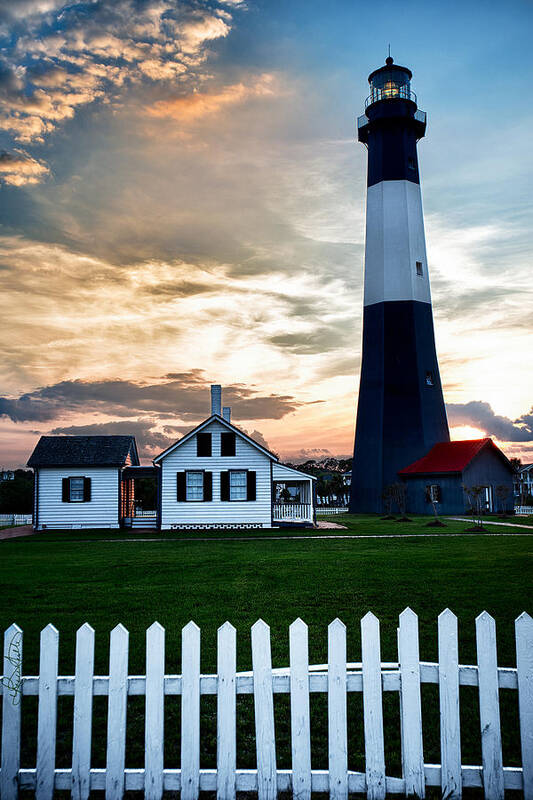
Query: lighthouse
x=400, y=412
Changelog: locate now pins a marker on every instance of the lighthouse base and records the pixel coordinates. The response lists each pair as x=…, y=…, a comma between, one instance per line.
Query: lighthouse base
x=400, y=413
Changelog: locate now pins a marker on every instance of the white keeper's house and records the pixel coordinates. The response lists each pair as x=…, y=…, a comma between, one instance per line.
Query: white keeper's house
x=216, y=476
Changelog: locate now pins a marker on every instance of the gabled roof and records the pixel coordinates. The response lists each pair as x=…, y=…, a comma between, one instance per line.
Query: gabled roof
x=282, y=470
x=450, y=457
x=83, y=451
x=204, y=424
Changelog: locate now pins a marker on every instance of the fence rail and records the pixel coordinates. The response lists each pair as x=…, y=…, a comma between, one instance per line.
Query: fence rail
x=15, y=519
x=337, y=678
x=523, y=509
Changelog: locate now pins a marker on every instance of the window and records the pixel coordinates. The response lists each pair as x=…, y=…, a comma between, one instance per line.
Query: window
x=203, y=444
x=76, y=494
x=237, y=485
x=195, y=485
x=227, y=444
x=419, y=270
x=429, y=379
x=434, y=493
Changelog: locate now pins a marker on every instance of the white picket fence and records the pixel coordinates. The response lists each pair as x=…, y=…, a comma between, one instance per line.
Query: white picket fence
x=338, y=678
x=523, y=510
x=15, y=519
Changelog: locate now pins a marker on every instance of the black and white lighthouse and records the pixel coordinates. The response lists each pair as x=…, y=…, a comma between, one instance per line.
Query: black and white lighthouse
x=400, y=413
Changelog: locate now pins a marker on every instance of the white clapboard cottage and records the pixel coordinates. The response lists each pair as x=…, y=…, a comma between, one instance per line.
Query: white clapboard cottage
x=218, y=476
x=214, y=476
x=78, y=480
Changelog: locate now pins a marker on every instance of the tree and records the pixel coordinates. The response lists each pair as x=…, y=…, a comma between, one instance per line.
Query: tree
x=388, y=499
x=399, y=494
x=433, y=497
x=476, y=498
x=16, y=496
x=516, y=463
x=502, y=493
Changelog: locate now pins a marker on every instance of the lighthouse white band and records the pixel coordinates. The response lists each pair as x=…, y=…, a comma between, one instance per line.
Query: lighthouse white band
x=395, y=242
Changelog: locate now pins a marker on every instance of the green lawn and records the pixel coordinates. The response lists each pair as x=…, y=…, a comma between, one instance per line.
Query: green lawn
x=70, y=578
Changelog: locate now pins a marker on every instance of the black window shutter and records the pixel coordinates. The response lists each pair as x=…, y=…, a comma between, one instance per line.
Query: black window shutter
x=250, y=485
x=227, y=444
x=439, y=494
x=203, y=444
x=224, y=485
x=86, y=490
x=181, y=484
x=208, y=485
x=65, y=490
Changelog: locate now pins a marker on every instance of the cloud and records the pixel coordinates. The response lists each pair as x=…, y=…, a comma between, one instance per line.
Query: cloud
x=149, y=439
x=19, y=168
x=58, y=57
x=190, y=107
x=177, y=396
x=480, y=415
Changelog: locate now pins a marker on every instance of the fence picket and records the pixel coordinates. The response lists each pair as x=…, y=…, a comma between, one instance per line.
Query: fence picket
x=226, y=712
x=373, y=708
x=410, y=704
x=154, y=727
x=83, y=714
x=47, y=714
x=450, y=731
x=337, y=712
x=190, y=712
x=489, y=707
x=116, y=713
x=524, y=665
x=11, y=713
x=300, y=715
x=264, y=712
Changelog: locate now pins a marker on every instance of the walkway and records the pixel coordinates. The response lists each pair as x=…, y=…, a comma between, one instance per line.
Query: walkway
x=13, y=533
x=489, y=522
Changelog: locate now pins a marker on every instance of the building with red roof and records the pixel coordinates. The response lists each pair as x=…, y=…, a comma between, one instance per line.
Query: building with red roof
x=448, y=467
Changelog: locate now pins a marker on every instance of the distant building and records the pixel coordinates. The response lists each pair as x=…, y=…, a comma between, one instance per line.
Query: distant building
x=449, y=466
x=523, y=484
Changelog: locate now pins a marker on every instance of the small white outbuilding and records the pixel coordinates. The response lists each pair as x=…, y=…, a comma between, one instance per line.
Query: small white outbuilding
x=78, y=480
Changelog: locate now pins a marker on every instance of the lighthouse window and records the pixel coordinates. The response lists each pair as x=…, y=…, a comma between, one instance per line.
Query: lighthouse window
x=429, y=379
x=419, y=268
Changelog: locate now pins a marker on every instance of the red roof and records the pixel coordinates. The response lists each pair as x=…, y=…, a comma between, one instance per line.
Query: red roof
x=448, y=457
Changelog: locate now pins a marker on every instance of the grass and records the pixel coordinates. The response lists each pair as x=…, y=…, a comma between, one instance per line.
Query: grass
x=357, y=525
x=70, y=578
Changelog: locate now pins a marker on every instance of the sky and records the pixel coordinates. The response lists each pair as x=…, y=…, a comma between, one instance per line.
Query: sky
x=182, y=202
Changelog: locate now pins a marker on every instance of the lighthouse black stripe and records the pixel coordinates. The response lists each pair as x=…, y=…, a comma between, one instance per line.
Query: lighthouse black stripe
x=391, y=134
x=400, y=416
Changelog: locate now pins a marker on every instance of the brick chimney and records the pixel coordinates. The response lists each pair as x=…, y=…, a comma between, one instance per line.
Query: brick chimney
x=216, y=399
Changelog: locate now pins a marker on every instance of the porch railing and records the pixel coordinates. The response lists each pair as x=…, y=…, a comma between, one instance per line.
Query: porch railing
x=292, y=511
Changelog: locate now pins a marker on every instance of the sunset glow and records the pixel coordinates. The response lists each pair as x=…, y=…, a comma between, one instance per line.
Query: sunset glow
x=183, y=203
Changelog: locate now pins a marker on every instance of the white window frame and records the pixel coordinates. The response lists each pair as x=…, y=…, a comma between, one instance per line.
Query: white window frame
x=192, y=488
x=238, y=488
x=81, y=488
